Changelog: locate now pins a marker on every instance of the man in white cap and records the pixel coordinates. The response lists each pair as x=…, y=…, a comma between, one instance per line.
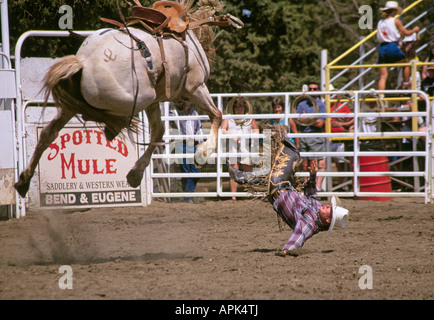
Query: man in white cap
x=303, y=212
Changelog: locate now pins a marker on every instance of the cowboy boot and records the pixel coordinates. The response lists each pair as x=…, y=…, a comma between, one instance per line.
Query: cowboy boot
x=241, y=177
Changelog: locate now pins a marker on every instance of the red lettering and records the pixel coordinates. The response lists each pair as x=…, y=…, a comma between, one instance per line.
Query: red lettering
x=69, y=162
x=109, y=166
x=77, y=137
x=67, y=165
x=87, y=133
x=64, y=138
x=122, y=148
x=95, y=167
x=109, y=145
x=80, y=166
x=99, y=136
x=54, y=147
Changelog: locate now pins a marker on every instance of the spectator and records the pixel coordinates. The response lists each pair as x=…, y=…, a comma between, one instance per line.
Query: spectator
x=278, y=109
x=340, y=125
x=313, y=144
x=189, y=145
x=427, y=86
x=430, y=58
x=390, y=30
x=408, y=45
x=239, y=105
x=408, y=85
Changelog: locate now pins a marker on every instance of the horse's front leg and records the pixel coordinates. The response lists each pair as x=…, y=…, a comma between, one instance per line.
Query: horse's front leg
x=48, y=135
x=134, y=177
x=203, y=100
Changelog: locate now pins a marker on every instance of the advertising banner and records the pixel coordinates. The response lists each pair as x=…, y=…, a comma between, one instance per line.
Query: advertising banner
x=81, y=168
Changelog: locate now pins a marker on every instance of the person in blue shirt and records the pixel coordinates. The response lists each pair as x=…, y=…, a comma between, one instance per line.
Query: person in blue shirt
x=308, y=144
x=278, y=109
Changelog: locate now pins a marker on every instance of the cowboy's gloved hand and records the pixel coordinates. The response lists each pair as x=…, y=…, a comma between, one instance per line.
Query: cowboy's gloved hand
x=313, y=168
x=309, y=186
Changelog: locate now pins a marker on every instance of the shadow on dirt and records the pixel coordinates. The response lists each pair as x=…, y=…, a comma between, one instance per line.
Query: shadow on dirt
x=96, y=260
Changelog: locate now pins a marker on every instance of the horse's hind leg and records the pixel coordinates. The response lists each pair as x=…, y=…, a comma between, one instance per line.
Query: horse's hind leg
x=135, y=175
x=48, y=135
x=203, y=100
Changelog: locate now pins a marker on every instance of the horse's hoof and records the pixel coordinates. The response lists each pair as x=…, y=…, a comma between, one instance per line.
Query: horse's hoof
x=22, y=188
x=134, y=179
x=200, y=158
x=198, y=166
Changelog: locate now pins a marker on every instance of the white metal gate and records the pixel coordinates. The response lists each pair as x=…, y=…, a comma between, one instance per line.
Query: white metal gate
x=79, y=192
x=154, y=173
x=7, y=138
x=220, y=175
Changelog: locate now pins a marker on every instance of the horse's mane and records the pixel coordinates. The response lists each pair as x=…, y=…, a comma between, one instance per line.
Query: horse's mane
x=205, y=34
x=202, y=11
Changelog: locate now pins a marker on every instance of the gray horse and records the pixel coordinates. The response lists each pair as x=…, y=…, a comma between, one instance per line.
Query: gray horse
x=111, y=78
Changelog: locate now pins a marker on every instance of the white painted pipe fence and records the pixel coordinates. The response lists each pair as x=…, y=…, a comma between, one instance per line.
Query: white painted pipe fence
x=219, y=156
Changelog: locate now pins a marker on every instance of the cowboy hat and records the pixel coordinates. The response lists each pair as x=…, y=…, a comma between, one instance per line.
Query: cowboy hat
x=230, y=109
x=338, y=214
x=391, y=5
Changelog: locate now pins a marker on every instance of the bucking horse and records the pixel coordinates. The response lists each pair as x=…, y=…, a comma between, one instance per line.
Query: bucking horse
x=154, y=55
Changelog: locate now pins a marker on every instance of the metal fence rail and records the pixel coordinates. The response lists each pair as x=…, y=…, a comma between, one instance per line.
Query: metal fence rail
x=220, y=156
x=221, y=176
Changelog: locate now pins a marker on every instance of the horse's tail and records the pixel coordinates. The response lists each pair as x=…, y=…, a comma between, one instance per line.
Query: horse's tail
x=62, y=70
x=63, y=80
x=59, y=73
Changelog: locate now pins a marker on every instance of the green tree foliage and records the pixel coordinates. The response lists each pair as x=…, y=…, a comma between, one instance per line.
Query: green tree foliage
x=27, y=15
x=279, y=45
x=277, y=50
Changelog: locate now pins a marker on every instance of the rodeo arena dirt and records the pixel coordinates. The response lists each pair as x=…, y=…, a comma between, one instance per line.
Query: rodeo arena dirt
x=217, y=250
x=89, y=215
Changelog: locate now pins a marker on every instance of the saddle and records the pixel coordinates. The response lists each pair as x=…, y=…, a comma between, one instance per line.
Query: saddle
x=169, y=18
x=165, y=17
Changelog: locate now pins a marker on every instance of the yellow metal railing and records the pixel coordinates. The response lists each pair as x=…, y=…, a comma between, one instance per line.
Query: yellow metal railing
x=413, y=64
x=373, y=33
